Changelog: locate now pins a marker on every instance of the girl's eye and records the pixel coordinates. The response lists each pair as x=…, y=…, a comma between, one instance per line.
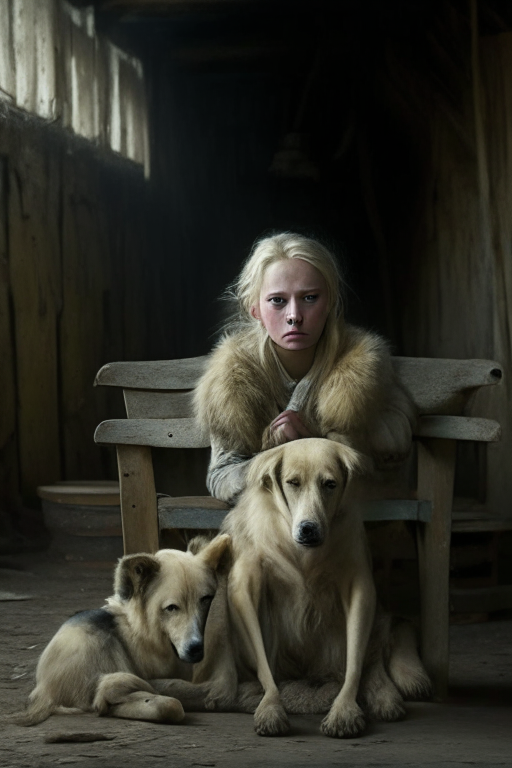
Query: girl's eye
x=310, y=298
x=278, y=301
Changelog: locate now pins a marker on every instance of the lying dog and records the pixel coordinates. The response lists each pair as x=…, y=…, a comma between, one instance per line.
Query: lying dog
x=153, y=626
x=302, y=601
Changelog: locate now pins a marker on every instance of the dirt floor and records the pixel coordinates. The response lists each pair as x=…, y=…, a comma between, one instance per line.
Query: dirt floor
x=37, y=593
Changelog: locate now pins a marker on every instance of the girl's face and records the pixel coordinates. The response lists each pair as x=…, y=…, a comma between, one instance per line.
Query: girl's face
x=293, y=304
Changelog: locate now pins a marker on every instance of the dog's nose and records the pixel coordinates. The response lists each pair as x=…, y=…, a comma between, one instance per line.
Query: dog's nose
x=194, y=652
x=310, y=534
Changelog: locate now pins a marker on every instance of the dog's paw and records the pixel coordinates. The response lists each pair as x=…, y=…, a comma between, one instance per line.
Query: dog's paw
x=150, y=707
x=344, y=724
x=385, y=709
x=164, y=709
x=220, y=699
x=271, y=720
x=382, y=701
x=249, y=696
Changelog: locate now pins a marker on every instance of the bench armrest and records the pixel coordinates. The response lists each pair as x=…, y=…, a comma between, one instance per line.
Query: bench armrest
x=156, y=433
x=459, y=428
x=185, y=433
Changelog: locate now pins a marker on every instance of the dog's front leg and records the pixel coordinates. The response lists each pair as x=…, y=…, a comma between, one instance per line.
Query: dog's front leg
x=122, y=694
x=270, y=718
x=345, y=718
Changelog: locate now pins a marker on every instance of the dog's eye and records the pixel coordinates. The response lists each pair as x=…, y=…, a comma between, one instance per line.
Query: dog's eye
x=330, y=484
x=206, y=599
x=171, y=608
x=294, y=482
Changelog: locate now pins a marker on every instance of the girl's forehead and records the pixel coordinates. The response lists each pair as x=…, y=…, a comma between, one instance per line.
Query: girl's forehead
x=291, y=274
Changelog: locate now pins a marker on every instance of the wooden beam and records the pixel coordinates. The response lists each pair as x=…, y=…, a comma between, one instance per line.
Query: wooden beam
x=459, y=428
x=157, y=433
x=436, y=471
x=34, y=260
x=138, y=499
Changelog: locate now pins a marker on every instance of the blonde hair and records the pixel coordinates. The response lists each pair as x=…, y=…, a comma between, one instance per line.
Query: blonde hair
x=244, y=293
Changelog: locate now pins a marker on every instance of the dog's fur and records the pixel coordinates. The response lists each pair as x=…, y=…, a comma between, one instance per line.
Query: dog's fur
x=302, y=601
x=357, y=396
x=152, y=627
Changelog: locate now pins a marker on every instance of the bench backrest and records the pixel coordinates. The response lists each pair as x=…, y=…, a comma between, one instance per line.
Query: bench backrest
x=162, y=389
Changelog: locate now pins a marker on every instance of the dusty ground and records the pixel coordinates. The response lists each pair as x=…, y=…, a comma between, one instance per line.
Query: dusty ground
x=473, y=728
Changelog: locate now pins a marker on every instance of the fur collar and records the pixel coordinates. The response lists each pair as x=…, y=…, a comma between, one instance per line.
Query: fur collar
x=236, y=400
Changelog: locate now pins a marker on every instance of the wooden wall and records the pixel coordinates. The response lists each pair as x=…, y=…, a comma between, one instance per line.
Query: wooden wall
x=78, y=282
x=97, y=264
x=455, y=273
x=427, y=241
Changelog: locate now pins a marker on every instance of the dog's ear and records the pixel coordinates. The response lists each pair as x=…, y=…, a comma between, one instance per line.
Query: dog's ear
x=198, y=543
x=265, y=468
x=217, y=553
x=134, y=573
x=351, y=461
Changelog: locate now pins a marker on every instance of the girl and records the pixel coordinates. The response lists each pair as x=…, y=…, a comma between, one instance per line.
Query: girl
x=289, y=367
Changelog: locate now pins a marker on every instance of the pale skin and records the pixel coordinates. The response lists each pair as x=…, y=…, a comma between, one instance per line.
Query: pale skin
x=293, y=307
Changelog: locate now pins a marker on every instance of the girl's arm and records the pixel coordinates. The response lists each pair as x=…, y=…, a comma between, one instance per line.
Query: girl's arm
x=226, y=473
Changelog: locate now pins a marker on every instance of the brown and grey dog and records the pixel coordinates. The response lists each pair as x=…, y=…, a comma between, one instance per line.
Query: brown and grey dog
x=302, y=602
x=152, y=627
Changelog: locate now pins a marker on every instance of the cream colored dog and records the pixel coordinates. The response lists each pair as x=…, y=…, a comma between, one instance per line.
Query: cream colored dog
x=302, y=601
x=152, y=627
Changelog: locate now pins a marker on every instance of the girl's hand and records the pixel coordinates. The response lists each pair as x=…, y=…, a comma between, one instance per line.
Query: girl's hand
x=287, y=427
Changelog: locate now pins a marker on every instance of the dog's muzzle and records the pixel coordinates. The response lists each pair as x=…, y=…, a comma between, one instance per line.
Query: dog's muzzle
x=309, y=534
x=193, y=653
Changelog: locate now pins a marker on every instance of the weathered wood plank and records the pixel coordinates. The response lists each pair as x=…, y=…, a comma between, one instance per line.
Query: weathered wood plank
x=443, y=386
x=197, y=518
x=190, y=503
x=93, y=493
x=9, y=469
x=36, y=292
x=481, y=599
x=436, y=385
x=34, y=40
x=459, y=428
x=206, y=512
x=153, y=374
x=436, y=470
x=145, y=404
x=483, y=524
x=138, y=499
x=84, y=253
x=157, y=433
x=7, y=66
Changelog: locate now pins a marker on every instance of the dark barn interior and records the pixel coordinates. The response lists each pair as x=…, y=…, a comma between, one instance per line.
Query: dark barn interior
x=382, y=128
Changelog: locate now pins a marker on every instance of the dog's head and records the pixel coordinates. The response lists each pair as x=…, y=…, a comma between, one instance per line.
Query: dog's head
x=307, y=479
x=170, y=594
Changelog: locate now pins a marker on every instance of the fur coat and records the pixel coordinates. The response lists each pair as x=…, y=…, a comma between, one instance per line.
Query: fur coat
x=358, y=401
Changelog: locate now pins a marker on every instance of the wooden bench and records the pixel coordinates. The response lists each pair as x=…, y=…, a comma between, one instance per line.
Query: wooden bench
x=158, y=400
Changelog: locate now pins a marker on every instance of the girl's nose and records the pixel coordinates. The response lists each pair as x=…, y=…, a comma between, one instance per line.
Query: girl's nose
x=293, y=316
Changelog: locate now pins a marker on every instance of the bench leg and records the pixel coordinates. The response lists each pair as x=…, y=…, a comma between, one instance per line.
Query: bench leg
x=436, y=469
x=138, y=499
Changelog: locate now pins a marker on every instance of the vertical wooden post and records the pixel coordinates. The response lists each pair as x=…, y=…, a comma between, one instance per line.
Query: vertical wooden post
x=436, y=469
x=138, y=499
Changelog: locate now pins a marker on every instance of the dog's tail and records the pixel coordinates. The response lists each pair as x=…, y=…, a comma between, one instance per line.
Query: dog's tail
x=39, y=710
x=404, y=664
